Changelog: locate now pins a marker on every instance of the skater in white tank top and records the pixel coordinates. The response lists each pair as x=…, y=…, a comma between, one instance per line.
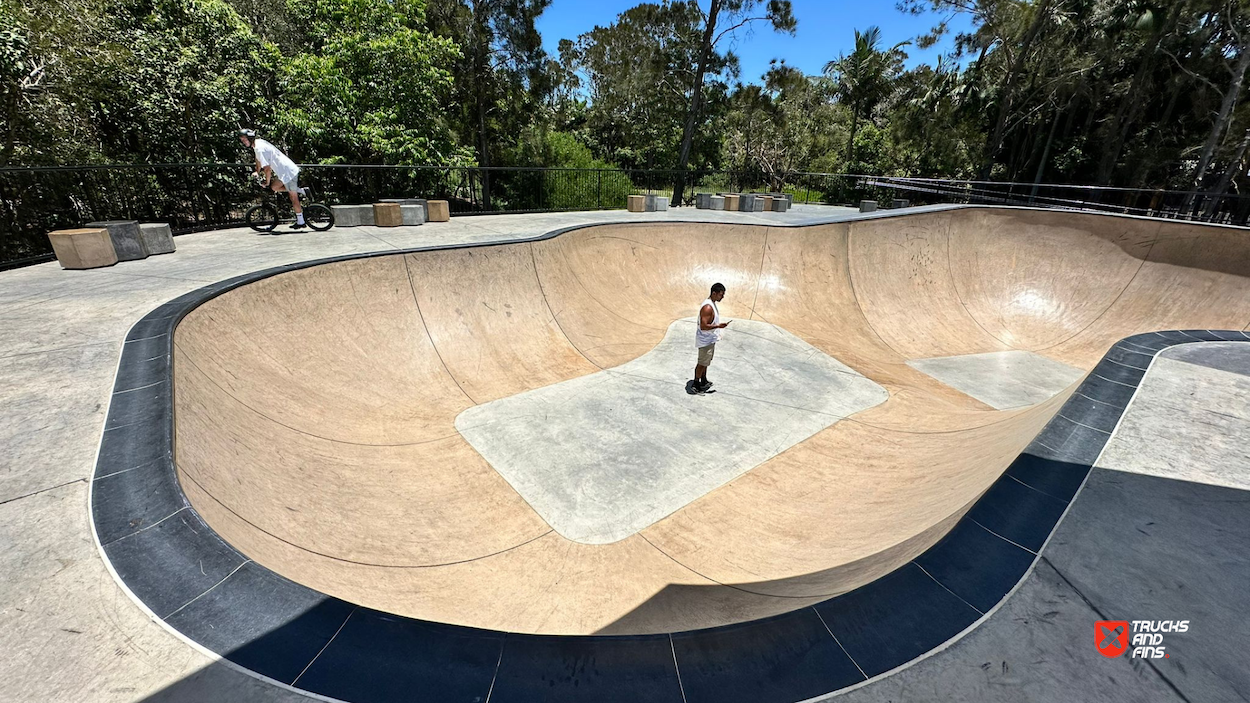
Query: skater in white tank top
x=706, y=336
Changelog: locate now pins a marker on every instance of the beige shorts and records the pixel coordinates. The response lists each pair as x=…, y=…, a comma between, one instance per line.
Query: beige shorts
x=705, y=354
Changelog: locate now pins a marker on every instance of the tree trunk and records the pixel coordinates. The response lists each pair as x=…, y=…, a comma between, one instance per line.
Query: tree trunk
x=696, y=103
x=1234, y=166
x=1041, y=165
x=480, y=69
x=1226, y=113
x=850, y=142
x=1004, y=109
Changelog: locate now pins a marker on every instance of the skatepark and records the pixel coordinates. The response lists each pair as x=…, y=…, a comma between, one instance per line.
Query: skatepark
x=360, y=463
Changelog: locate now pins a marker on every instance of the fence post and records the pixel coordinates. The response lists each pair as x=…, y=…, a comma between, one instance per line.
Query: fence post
x=599, y=192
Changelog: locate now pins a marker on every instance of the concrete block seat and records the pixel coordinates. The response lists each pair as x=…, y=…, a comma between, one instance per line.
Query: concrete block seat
x=83, y=248
x=868, y=206
x=648, y=203
x=157, y=237
x=718, y=202
x=703, y=201
x=731, y=201
x=408, y=202
x=763, y=203
x=352, y=215
x=635, y=203
x=437, y=211
x=412, y=214
x=661, y=203
x=125, y=236
x=746, y=202
x=780, y=204
x=387, y=215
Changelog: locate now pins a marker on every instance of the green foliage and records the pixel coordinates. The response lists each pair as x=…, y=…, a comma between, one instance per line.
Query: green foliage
x=370, y=87
x=565, y=190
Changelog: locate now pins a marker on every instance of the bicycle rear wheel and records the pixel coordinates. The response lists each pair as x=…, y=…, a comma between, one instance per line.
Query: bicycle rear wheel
x=262, y=218
x=319, y=217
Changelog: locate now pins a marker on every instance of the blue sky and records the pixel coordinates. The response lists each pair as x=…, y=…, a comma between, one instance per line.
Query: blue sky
x=826, y=29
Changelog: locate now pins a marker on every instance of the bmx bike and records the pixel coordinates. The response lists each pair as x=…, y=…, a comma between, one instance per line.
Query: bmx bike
x=266, y=215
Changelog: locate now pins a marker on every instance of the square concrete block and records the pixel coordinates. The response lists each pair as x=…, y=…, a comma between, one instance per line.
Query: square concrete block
x=731, y=202
x=703, y=201
x=648, y=203
x=718, y=202
x=83, y=248
x=635, y=203
x=761, y=203
x=661, y=203
x=868, y=206
x=157, y=237
x=746, y=203
x=412, y=214
x=352, y=215
x=780, y=204
x=387, y=215
x=437, y=211
x=899, y=202
x=126, y=240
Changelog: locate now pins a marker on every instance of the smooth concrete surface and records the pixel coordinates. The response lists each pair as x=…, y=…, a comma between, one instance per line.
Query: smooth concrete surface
x=1190, y=422
x=356, y=371
x=601, y=457
x=69, y=632
x=1001, y=380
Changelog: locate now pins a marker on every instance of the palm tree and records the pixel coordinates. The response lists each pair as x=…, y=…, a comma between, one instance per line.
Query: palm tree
x=864, y=77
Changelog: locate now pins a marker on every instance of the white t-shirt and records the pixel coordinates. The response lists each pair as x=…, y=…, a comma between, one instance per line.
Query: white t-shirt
x=284, y=169
x=702, y=337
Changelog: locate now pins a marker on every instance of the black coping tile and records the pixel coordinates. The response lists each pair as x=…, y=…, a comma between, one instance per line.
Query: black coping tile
x=781, y=659
x=263, y=622
x=127, y=502
x=379, y=658
x=1109, y=392
x=1017, y=512
x=152, y=406
x=141, y=367
x=895, y=619
x=133, y=446
x=1086, y=411
x=1205, y=335
x=1149, y=340
x=1119, y=373
x=609, y=669
x=1174, y=336
x=1051, y=439
x=150, y=327
x=1059, y=479
x=172, y=562
x=1122, y=354
x=1229, y=335
x=1083, y=446
x=975, y=565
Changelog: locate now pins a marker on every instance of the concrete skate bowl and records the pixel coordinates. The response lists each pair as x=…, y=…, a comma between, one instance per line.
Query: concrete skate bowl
x=320, y=411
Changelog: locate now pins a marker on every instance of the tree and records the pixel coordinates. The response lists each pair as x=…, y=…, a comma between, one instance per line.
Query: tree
x=865, y=77
x=736, y=14
x=371, y=86
x=502, y=70
x=637, y=75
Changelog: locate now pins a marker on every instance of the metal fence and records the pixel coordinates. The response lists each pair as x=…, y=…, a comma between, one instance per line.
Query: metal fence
x=196, y=197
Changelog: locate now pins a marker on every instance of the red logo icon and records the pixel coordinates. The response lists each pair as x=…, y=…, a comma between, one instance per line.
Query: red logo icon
x=1111, y=636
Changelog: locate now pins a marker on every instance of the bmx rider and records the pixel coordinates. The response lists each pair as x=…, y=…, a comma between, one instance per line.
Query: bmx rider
x=273, y=162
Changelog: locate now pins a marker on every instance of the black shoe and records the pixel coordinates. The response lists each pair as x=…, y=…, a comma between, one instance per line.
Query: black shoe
x=298, y=225
x=704, y=386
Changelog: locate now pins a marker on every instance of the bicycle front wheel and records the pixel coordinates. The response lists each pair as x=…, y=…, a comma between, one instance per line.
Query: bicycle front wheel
x=319, y=217
x=262, y=218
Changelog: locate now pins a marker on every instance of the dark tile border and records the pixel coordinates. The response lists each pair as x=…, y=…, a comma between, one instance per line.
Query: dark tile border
x=200, y=586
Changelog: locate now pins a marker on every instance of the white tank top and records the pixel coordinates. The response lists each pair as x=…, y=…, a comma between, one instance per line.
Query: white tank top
x=702, y=337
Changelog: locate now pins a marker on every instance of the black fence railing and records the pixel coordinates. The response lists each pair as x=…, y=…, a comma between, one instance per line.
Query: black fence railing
x=196, y=197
